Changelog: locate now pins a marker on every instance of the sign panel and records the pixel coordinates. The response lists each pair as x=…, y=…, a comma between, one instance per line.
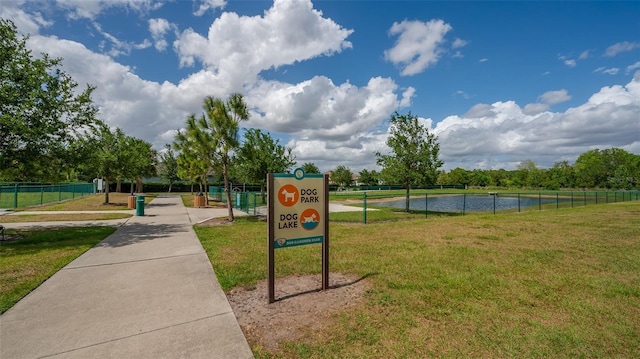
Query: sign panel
x=298, y=212
x=298, y=215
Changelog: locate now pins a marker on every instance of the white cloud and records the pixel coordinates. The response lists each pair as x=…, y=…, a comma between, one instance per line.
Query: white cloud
x=567, y=61
x=26, y=23
x=419, y=44
x=535, y=108
x=458, y=43
x=318, y=109
x=207, y=5
x=555, y=97
x=620, y=47
x=462, y=94
x=240, y=47
x=501, y=134
x=584, y=55
x=545, y=101
x=407, y=95
x=119, y=47
x=90, y=9
x=630, y=68
x=484, y=60
x=604, y=70
x=158, y=28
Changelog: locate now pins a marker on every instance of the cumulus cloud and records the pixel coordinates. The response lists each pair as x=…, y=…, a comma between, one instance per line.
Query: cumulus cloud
x=506, y=134
x=26, y=22
x=319, y=109
x=158, y=28
x=545, y=101
x=535, y=108
x=242, y=46
x=620, y=47
x=419, y=44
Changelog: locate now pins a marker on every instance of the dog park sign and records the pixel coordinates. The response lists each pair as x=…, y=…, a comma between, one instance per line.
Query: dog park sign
x=298, y=215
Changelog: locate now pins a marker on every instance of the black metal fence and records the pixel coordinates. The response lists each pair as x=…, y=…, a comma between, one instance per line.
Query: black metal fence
x=462, y=203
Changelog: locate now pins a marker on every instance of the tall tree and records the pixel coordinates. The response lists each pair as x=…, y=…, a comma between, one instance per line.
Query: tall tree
x=40, y=112
x=141, y=162
x=342, y=176
x=105, y=161
x=213, y=137
x=368, y=178
x=224, y=120
x=414, y=154
x=259, y=155
x=168, y=166
x=458, y=176
x=309, y=167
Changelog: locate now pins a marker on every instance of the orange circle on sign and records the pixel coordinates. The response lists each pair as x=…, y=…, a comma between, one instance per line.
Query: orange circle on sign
x=309, y=219
x=288, y=195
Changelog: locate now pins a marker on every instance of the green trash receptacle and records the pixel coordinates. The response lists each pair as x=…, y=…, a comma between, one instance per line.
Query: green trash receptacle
x=140, y=206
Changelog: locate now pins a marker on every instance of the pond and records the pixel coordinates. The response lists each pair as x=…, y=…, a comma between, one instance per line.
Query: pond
x=467, y=203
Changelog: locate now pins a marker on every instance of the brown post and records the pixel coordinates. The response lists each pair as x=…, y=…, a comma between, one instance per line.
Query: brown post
x=325, y=242
x=270, y=235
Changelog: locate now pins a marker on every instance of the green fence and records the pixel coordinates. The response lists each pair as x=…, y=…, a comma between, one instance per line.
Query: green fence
x=462, y=203
x=20, y=195
x=254, y=203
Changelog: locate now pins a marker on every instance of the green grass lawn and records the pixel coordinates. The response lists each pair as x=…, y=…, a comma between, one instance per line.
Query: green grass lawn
x=38, y=254
x=562, y=283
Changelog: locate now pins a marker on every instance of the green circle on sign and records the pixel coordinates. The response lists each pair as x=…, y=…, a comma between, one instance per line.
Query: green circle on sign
x=299, y=173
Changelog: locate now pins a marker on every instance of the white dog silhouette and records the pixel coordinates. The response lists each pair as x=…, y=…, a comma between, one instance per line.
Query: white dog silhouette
x=289, y=196
x=310, y=219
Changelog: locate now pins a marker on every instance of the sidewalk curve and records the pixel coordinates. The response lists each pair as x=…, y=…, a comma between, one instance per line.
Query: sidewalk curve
x=146, y=291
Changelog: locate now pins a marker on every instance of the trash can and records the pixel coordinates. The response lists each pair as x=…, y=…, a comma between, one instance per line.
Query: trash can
x=140, y=206
x=198, y=200
x=131, y=202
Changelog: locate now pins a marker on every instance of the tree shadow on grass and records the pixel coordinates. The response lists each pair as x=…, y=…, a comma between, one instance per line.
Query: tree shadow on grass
x=33, y=241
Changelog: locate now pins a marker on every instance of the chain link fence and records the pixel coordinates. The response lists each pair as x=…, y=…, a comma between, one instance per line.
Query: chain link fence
x=20, y=195
x=461, y=203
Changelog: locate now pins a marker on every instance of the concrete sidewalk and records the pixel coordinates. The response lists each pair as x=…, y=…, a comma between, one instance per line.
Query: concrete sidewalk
x=146, y=291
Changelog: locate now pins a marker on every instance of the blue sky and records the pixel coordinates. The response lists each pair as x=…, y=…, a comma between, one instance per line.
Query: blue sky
x=498, y=82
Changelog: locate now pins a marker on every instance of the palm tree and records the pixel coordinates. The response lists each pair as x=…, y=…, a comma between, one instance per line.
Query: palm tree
x=224, y=124
x=214, y=136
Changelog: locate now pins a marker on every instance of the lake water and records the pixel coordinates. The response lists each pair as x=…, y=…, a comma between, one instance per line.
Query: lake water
x=470, y=203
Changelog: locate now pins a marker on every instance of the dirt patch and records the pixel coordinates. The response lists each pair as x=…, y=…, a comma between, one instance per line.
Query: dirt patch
x=300, y=304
